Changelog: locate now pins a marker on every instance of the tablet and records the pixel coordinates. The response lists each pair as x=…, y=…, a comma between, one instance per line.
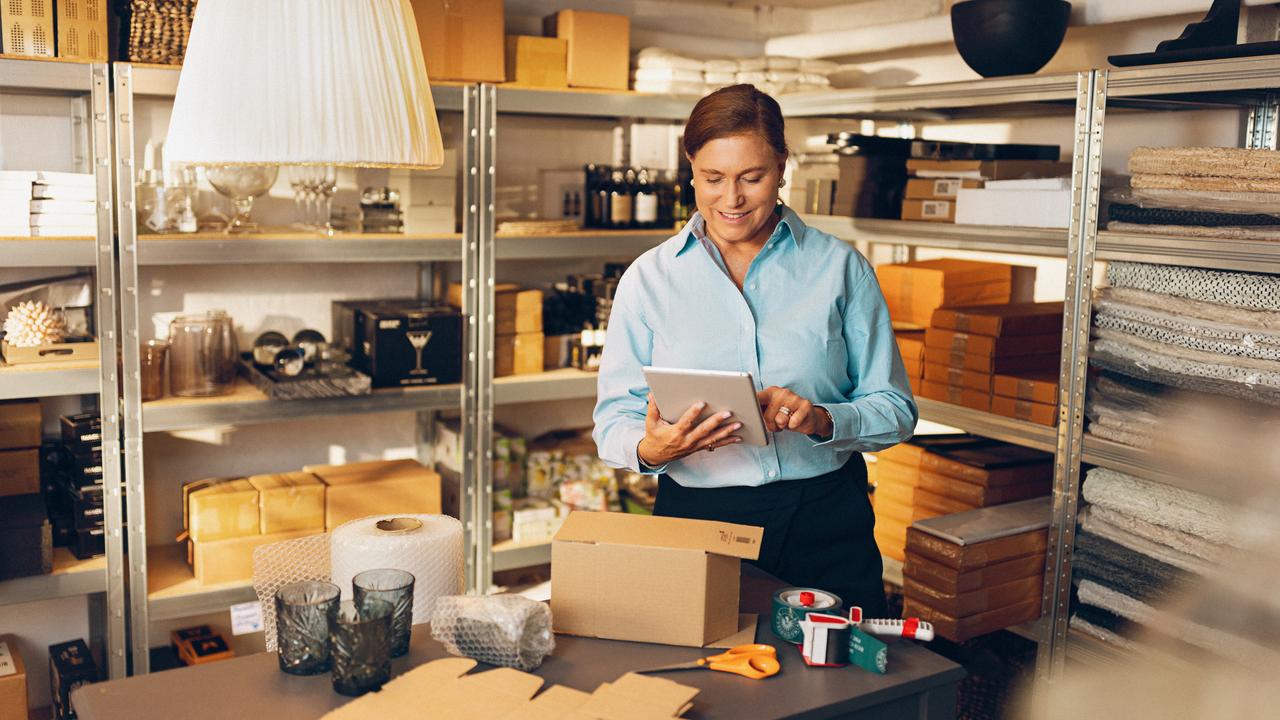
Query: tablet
x=676, y=389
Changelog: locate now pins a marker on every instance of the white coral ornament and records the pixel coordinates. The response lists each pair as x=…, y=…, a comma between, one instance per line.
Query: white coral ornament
x=32, y=323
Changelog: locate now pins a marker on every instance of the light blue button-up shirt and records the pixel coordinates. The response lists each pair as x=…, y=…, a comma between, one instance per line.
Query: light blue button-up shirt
x=810, y=317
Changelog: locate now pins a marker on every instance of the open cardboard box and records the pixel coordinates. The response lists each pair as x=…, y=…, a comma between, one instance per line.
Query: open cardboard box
x=650, y=579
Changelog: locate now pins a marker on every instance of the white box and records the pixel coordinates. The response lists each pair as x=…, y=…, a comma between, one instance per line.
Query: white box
x=1014, y=208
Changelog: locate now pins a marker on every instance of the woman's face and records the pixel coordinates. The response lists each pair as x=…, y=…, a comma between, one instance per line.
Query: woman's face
x=735, y=181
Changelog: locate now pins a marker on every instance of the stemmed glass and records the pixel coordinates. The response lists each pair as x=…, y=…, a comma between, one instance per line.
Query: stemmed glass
x=326, y=184
x=313, y=190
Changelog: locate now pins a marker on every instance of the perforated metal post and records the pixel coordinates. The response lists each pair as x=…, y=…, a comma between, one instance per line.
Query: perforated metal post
x=483, y=479
x=471, y=324
x=1260, y=125
x=1081, y=242
x=135, y=497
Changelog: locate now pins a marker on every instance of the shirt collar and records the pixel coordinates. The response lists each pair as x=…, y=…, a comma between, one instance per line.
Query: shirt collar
x=696, y=229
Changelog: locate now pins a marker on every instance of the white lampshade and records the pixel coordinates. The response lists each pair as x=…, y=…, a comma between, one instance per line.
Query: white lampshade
x=333, y=82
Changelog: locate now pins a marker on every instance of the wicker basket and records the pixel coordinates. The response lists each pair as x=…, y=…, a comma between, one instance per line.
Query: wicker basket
x=157, y=30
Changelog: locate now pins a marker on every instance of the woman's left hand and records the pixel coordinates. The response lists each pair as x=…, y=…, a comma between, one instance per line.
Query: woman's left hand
x=785, y=410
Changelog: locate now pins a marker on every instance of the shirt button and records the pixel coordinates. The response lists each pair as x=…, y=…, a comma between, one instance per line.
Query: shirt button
x=773, y=473
x=753, y=286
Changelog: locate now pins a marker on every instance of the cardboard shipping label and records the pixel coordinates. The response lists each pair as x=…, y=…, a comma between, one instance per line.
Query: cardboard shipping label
x=7, y=665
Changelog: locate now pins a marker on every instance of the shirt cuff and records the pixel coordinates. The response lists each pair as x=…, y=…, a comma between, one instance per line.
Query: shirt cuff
x=631, y=439
x=846, y=423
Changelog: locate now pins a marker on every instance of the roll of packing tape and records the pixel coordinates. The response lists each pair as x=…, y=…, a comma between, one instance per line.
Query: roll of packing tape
x=791, y=605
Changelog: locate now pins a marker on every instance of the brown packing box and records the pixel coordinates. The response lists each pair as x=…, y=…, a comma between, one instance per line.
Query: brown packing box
x=19, y=472
x=1041, y=387
x=1029, y=318
x=19, y=424
x=906, y=453
x=13, y=685
x=537, y=61
x=992, y=365
x=958, y=377
x=971, y=344
x=379, y=487
x=940, y=504
x=462, y=40
x=942, y=211
x=911, y=347
x=514, y=310
x=967, y=557
x=937, y=188
x=289, y=502
x=519, y=354
x=994, y=169
x=890, y=508
x=915, y=384
x=599, y=47
x=954, y=395
x=231, y=560
x=890, y=472
x=977, y=601
x=220, y=508
x=948, y=580
x=651, y=579
x=991, y=466
x=1040, y=413
x=914, y=290
x=903, y=495
x=966, y=628
x=980, y=495
x=891, y=538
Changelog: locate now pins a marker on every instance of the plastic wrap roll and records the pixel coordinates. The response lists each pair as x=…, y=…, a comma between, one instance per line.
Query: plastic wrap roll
x=429, y=546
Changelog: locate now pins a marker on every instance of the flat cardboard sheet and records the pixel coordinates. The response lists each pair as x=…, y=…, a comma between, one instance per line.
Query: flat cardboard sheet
x=975, y=526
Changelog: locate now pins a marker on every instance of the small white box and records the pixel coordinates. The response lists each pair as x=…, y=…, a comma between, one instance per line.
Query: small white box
x=1014, y=208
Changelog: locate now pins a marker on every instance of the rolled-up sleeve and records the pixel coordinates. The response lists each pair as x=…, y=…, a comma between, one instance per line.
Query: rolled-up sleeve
x=621, y=390
x=880, y=411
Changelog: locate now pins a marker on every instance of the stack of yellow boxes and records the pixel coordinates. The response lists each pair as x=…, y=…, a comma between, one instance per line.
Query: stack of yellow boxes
x=933, y=199
x=911, y=347
x=914, y=290
x=1027, y=396
x=966, y=346
x=517, y=319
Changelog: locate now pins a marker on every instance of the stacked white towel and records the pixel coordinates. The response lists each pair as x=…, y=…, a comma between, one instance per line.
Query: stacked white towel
x=659, y=70
x=47, y=204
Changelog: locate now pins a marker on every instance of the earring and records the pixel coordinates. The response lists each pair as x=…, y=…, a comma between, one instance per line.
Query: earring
x=691, y=182
x=782, y=182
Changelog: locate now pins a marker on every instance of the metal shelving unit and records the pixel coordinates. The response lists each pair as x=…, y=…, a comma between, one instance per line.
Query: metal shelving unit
x=162, y=586
x=587, y=243
x=978, y=238
x=101, y=580
x=1246, y=255
x=516, y=100
x=998, y=427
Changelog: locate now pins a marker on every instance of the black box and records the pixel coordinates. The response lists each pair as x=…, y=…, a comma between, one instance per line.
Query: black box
x=389, y=354
x=70, y=666
x=89, y=543
x=82, y=428
x=26, y=537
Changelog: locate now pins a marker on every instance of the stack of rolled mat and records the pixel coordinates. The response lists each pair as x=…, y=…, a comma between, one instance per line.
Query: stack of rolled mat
x=1218, y=192
x=1192, y=328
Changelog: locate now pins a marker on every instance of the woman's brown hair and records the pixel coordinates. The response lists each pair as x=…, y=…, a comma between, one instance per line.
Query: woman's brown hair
x=734, y=110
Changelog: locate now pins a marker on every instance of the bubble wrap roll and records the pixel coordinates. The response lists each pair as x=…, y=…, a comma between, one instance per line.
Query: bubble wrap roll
x=432, y=552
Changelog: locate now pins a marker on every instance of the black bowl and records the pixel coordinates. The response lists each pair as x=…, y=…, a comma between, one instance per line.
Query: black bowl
x=1009, y=37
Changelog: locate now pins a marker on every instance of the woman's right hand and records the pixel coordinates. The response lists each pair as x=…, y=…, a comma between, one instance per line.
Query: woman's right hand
x=664, y=441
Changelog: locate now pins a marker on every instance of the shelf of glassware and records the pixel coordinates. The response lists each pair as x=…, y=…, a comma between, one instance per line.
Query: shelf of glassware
x=173, y=591
x=47, y=252
x=1046, y=242
x=73, y=377
x=246, y=405
x=1216, y=253
x=70, y=577
x=290, y=246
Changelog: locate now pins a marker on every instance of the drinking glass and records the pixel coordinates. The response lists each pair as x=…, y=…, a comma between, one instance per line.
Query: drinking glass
x=394, y=587
x=202, y=355
x=152, y=360
x=305, y=611
x=360, y=636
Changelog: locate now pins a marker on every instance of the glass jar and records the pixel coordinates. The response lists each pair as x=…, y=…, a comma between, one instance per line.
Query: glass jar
x=202, y=355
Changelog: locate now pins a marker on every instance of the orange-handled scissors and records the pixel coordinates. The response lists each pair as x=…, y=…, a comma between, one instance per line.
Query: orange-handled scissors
x=753, y=661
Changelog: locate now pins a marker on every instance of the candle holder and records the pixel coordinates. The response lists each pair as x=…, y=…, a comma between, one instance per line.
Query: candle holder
x=360, y=636
x=394, y=587
x=304, y=613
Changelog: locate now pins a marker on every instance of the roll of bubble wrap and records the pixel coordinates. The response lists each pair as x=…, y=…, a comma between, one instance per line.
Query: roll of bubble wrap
x=431, y=551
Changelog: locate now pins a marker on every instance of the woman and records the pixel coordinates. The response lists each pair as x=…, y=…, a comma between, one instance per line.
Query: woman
x=746, y=286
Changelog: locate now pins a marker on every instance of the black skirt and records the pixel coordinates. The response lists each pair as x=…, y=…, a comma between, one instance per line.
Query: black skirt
x=817, y=532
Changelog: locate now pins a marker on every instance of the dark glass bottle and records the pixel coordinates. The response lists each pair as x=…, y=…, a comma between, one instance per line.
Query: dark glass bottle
x=646, y=202
x=601, y=198
x=620, y=200
x=589, y=175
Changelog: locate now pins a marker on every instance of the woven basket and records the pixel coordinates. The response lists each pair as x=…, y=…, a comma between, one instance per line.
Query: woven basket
x=158, y=30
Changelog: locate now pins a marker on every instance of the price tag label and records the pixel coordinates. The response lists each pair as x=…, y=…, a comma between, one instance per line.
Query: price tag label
x=7, y=666
x=246, y=618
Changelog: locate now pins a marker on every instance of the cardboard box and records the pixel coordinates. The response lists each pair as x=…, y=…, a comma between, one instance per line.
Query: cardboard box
x=1031, y=318
x=462, y=40
x=937, y=188
x=231, y=560
x=971, y=344
x=13, y=680
x=911, y=348
x=977, y=495
x=991, y=169
x=968, y=557
x=202, y=649
x=914, y=290
x=651, y=579
x=959, y=629
x=992, y=465
x=942, y=211
x=82, y=29
x=891, y=472
x=958, y=377
x=379, y=487
x=955, y=395
x=992, y=365
x=537, y=61
x=28, y=28
x=410, y=343
x=599, y=50
x=1039, y=413
x=289, y=501
x=947, y=580
x=940, y=504
x=869, y=186
x=977, y=601
x=19, y=424
x=19, y=472
x=220, y=508
x=83, y=428
x=70, y=666
x=915, y=383
x=891, y=540
x=519, y=354
x=1040, y=387
x=515, y=310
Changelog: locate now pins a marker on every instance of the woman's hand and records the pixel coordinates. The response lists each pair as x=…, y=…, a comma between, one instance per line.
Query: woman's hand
x=785, y=410
x=664, y=441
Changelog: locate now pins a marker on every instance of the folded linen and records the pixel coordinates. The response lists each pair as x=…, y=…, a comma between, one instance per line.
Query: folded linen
x=1135, y=574
x=1205, y=184
x=1123, y=212
x=1257, y=291
x=656, y=57
x=1118, y=534
x=1183, y=542
x=1192, y=333
x=1221, y=233
x=673, y=75
x=1229, y=162
x=1160, y=504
